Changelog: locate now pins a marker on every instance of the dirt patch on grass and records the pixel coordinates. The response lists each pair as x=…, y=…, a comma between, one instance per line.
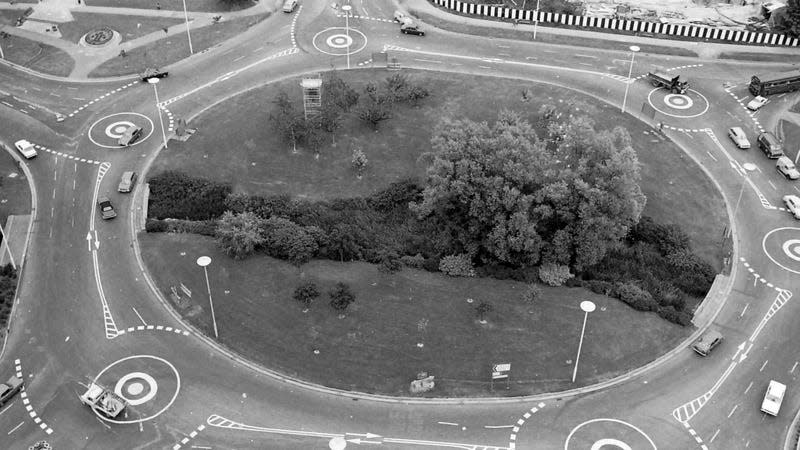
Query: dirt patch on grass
x=129, y=27
x=175, y=47
x=374, y=348
x=37, y=56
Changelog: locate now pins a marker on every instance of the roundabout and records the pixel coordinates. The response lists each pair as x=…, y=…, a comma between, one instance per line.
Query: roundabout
x=105, y=132
x=678, y=106
x=782, y=247
x=608, y=434
x=339, y=41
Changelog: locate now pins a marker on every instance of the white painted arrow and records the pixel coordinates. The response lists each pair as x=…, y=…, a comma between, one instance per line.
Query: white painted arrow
x=360, y=441
x=89, y=240
x=744, y=355
x=738, y=349
x=96, y=241
x=366, y=435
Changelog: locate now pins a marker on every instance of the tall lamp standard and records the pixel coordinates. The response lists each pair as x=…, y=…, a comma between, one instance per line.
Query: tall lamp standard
x=203, y=262
x=536, y=20
x=186, y=16
x=154, y=81
x=346, y=9
x=634, y=49
x=587, y=307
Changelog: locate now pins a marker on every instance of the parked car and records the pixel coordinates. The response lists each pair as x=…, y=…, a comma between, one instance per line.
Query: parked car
x=756, y=103
x=738, y=137
x=127, y=181
x=289, y=6
x=26, y=148
x=792, y=203
x=106, y=208
x=131, y=135
x=770, y=145
x=786, y=167
x=9, y=389
x=773, y=398
x=707, y=341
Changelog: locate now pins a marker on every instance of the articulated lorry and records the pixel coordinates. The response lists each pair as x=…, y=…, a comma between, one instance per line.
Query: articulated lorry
x=670, y=82
x=103, y=400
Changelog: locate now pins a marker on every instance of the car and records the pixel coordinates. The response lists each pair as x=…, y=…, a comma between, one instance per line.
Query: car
x=707, y=341
x=770, y=145
x=756, y=103
x=411, y=28
x=152, y=72
x=773, y=398
x=787, y=168
x=106, y=208
x=738, y=137
x=131, y=135
x=399, y=16
x=126, y=182
x=9, y=389
x=792, y=203
x=26, y=148
x=289, y=6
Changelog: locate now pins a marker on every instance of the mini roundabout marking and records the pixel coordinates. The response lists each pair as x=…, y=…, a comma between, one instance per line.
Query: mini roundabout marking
x=782, y=247
x=148, y=383
x=337, y=41
x=106, y=131
x=680, y=106
x=608, y=434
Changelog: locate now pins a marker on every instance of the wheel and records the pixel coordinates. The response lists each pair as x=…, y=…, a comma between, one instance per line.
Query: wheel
x=655, y=83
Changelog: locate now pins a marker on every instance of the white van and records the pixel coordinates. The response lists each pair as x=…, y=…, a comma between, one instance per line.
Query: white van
x=773, y=398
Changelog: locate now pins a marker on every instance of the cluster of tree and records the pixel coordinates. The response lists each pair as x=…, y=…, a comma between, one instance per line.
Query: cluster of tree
x=340, y=296
x=176, y=195
x=8, y=288
x=338, y=101
x=787, y=19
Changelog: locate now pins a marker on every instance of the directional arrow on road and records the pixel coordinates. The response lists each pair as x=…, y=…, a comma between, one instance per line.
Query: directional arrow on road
x=744, y=355
x=89, y=240
x=96, y=241
x=360, y=441
x=365, y=435
x=738, y=350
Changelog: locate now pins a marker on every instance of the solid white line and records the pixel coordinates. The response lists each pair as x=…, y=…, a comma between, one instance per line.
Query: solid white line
x=793, y=367
x=429, y=60
x=484, y=67
x=139, y=316
x=734, y=409
x=714, y=436
x=237, y=59
x=448, y=423
x=773, y=186
x=15, y=428
x=586, y=56
x=586, y=64
x=748, y=387
x=745, y=309
x=9, y=406
x=259, y=48
x=763, y=365
x=498, y=426
x=712, y=156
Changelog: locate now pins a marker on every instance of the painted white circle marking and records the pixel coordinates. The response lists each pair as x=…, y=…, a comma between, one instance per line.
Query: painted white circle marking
x=766, y=252
x=792, y=249
x=652, y=103
x=115, y=130
x=610, y=442
x=678, y=101
x=340, y=32
x=151, y=383
x=157, y=413
x=339, y=41
x=144, y=138
x=615, y=441
x=588, y=306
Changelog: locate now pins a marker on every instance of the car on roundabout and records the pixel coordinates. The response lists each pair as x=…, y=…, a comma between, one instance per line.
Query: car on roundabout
x=756, y=103
x=739, y=137
x=106, y=208
x=130, y=136
x=289, y=6
x=792, y=203
x=26, y=148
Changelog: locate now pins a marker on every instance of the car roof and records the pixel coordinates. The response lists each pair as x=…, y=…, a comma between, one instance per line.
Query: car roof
x=23, y=142
x=737, y=130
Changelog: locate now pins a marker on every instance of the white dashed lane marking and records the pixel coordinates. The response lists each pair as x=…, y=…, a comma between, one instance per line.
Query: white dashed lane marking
x=191, y=436
x=27, y=402
x=107, y=94
x=153, y=328
x=512, y=444
x=62, y=154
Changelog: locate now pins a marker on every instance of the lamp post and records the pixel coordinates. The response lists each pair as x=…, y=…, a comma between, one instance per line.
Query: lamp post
x=536, y=20
x=203, y=262
x=748, y=167
x=154, y=81
x=186, y=16
x=346, y=9
x=587, y=307
x=634, y=49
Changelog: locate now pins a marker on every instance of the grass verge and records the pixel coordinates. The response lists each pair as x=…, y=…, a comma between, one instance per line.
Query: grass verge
x=129, y=27
x=15, y=196
x=174, y=5
x=37, y=56
x=175, y=47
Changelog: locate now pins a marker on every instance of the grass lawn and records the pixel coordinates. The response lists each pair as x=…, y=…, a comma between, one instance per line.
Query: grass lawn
x=130, y=27
x=175, y=47
x=39, y=57
x=176, y=5
x=791, y=137
x=15, y=197
x=374, y=348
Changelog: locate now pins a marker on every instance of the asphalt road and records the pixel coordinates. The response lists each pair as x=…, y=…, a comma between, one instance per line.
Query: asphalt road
x=86, y=310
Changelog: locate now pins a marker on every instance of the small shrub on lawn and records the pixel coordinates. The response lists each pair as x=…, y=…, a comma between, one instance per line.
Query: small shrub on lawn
x=239, y=235
x=204, y=227
x=635, y=296
x=457, y=266
x=415, y=262
x=341, y=296
x=680, y=317
x=554, y=274
x=287, y=240
x=482, y=309
x=306, y=293
x=431, y=264
x=176, y=195
x=599, y=287
x=389, y=262
x=533, y=293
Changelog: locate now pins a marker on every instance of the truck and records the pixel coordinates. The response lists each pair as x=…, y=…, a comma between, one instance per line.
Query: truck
x=670, y=82
x=104, y=400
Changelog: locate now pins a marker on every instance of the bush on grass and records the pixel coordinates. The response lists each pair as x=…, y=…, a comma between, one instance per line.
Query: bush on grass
x=287, y=240
x=174, y=194
x=671, y=314
x=389, y=262
x=203, y=227
x=636, y=297
x=415, y=262
x=554, y=274
x=239, y=235
x=341, y=296
x=532, y=293
x=457, y=265
x=306, y=293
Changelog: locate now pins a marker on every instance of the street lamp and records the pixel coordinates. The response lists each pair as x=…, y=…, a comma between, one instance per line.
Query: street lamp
x=748, y=167
x=634, y=49
x=536, y=20
x=587, y=307
x=154, y=81
x=186, y=15
x=203, y=262
x=346, y=9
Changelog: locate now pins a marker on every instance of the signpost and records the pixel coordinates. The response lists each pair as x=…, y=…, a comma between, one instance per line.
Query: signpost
x=500, y=372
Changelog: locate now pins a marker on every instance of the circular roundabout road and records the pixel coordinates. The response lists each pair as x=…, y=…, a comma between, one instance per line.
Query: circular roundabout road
x=106, y=131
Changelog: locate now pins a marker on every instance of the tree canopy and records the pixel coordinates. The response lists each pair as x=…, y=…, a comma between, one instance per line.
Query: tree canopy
x=506, y=195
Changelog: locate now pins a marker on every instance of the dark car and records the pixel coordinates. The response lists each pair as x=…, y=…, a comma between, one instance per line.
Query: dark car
x=412, y=29
x=153, y=73
x=130, y=136
x=106, y=208
x=9, y=389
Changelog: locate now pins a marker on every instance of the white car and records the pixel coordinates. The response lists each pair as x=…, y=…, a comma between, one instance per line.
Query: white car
x=26, y=148
x=792, y=203
x=289, y=6
x=756, y=103
x=739, y=138
x=773, y=398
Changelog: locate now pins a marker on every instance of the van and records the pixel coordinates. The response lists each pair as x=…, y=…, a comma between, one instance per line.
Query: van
x=705, y=343
x=787, y=168
x=738, y=136
x=770, y=145
x=289, y=6
x=126, y=182
x=131, y=135
x=773, y=398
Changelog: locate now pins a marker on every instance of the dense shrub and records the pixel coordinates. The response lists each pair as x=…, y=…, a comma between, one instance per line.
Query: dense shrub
x=669, y=238
x=397, y=194
x=599, y=287
x=341, y=296
x=635, y=296
x=457, y=266
x=680, y=317
x=176, y=195
x=306, y=293
x=389, y=262
x=204, y=227
x=505, y=272
x=554, y=274
x=240, y=234
x=155, y=225
x=415, y=262
x=287, y=240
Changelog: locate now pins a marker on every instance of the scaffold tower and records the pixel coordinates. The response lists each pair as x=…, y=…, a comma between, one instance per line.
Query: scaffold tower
x=312, y=95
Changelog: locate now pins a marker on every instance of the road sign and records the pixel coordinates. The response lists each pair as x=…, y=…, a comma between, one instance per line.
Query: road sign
x=501, y=367
x=499, y=375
